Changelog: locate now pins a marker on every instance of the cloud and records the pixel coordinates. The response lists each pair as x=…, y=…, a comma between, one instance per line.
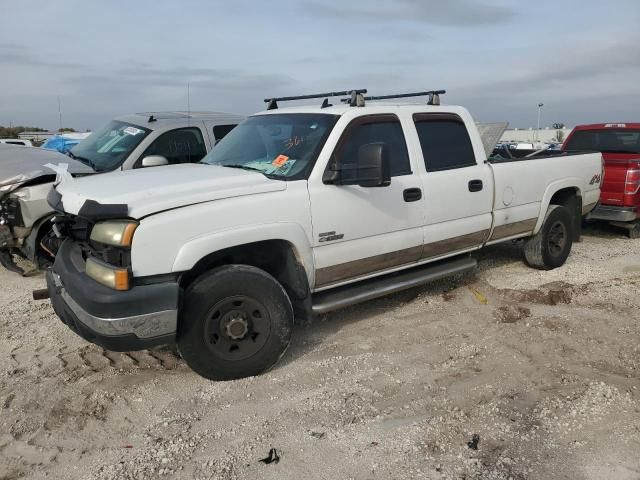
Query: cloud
x=19, y=55
x=570, y=69
x=216, y=78
x=576, y=84
x=448, y=13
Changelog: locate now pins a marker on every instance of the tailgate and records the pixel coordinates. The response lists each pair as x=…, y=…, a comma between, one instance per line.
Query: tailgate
x=615, y=177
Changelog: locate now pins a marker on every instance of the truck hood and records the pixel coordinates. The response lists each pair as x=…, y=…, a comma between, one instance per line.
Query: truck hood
x=21, y=165
x=151, y=190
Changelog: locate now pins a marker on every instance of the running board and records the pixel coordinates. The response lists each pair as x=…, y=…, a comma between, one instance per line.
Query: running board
x=380, y=286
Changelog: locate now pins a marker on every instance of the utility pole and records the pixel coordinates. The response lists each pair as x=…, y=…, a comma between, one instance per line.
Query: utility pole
x=540, y=105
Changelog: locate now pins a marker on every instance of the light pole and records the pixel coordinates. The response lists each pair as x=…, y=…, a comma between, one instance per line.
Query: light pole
x=540, y=105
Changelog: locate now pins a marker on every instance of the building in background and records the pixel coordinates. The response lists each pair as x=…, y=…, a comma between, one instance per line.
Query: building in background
x=37, y=136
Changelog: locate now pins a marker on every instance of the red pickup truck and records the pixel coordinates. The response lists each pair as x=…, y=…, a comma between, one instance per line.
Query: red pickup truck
x=620, y=191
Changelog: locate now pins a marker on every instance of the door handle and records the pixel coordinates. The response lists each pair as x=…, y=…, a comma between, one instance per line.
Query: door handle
x=412, y=194
x=475, y=185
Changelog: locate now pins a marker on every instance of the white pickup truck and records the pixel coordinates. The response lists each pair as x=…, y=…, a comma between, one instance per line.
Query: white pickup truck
x=299, y=211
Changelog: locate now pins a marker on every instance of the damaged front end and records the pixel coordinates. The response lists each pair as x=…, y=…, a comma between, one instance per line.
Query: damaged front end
x=10, y=220
x=25, y=216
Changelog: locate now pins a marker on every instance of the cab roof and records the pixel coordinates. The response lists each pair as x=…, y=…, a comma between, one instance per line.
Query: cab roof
x=155, y=120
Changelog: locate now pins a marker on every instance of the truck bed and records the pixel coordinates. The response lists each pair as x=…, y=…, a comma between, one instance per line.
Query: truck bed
x=523, y=185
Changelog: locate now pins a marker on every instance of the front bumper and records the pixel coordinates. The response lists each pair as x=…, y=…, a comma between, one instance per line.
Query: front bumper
x=142, y=317
x=613, y=213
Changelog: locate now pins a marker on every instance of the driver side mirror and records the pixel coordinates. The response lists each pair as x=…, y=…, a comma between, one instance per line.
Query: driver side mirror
x=371, y=169
x=154, y=161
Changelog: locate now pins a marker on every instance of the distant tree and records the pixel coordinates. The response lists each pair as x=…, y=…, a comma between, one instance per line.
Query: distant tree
x=13, y=132
x=560, y=136
x=66, y=129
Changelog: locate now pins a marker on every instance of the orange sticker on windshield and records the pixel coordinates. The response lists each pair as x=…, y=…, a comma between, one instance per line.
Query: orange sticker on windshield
x=280, y=160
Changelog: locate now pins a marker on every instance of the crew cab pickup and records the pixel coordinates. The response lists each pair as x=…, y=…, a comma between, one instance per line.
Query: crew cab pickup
x=620, y=192
x=129, y=142
x=299, y=211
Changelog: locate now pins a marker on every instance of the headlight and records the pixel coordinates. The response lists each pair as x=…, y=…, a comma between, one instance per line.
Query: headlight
x=118, y=233
x=107, y=275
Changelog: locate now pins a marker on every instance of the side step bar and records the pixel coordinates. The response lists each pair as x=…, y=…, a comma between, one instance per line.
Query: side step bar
x=378, y=287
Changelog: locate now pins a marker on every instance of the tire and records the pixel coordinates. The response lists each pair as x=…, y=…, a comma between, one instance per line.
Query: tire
x=236, y=322
x=634, y=231
x=550, y=247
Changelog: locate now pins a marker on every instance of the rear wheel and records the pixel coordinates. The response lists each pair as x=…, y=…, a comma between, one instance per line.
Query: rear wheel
x=550, y=247
x=634, y=231
x=236, y=322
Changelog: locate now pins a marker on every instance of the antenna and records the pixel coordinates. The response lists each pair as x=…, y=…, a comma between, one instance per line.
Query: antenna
x=59, y=115
x=188, y=104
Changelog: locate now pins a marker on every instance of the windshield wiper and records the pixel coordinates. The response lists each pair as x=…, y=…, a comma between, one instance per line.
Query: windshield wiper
x=242, y=167
x=84, y=160
x=252, y=169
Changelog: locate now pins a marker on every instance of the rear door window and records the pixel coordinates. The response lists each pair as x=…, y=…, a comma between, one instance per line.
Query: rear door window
x=445, y=142
x=220, y=131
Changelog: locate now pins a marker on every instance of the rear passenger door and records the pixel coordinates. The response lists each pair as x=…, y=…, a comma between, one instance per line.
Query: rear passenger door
x=360, y=231
x=458, y=191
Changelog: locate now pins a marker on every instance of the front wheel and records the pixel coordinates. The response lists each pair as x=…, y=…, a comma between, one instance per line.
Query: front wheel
x=236, y=322
x=550, y=247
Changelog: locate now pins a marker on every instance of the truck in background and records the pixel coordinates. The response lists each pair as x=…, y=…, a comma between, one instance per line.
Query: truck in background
x=619, y=144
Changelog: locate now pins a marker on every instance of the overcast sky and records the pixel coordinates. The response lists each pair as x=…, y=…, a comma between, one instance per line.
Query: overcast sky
x=499, y=58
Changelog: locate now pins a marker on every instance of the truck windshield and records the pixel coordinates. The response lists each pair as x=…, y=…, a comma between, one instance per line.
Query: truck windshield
x=610, y=140
x=108, y=147
x=283, y=146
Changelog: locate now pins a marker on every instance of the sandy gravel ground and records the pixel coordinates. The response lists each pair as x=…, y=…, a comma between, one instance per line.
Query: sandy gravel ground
x=544, y=367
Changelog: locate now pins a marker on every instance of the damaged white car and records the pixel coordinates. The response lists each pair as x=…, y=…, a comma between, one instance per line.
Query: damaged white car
x=130, y=142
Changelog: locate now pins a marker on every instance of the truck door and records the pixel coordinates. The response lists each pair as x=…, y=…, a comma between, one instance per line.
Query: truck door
x=458, y=191
x=360, y=231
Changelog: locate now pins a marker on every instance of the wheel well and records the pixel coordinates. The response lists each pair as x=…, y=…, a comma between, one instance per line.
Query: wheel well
x=565, y=196
x=39, y=229
x=570, y=198
x=276, y=257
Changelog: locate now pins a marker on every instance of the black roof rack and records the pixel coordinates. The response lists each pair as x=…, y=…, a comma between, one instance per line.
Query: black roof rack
x=356, y=98
x=434, y=96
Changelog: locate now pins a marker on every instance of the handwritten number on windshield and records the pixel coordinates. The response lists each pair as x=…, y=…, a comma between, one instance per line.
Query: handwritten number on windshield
x=292, y=142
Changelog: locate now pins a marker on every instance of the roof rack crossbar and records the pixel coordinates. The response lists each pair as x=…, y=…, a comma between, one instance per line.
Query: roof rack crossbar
x=434, y=96
x=272, y=103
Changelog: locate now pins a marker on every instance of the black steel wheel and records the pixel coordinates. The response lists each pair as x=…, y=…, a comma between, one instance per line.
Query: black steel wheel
x=237, y=328
x=550, y=247
x=236, y=322
x=557, y=239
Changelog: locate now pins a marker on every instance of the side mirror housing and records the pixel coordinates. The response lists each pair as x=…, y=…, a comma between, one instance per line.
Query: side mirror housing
x=154, y=161
x=371, y=168
x=374, y=169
